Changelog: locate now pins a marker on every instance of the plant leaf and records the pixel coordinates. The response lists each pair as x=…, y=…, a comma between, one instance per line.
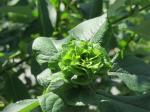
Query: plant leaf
x=134, y=73
x=45, y=49
x=57, y=80
x=44, y=77
x=48, y=16
x=22, y=106
x=51, y=103
x=134, y=65
x=134, y=82
x=109, y=103
x=14, y=89
x=51, y=81
x=76, y=96
x=92, y=29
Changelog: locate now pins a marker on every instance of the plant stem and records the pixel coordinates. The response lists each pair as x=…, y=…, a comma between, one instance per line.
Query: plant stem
x=131, y=14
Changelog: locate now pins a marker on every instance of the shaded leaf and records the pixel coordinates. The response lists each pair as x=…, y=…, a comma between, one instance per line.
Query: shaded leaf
x=134, y=65
x=134, y=73
x=77, y=96
x=109, y=103
x=48, y=16
x=35, y=67
x=45, y=49
x=15, y=89
x=134, y=82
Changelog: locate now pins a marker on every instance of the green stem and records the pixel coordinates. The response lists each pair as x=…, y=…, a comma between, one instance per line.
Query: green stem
x=131, y=14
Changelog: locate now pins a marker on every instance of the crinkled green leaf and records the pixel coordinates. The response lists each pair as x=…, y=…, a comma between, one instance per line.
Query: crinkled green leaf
x=81, y=60
x=51, y=103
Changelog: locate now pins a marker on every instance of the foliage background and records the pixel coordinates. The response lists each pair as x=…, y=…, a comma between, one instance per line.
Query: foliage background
x=21, y=21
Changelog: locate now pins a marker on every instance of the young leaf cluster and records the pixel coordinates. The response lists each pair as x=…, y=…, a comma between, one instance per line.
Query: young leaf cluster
x=80, y=61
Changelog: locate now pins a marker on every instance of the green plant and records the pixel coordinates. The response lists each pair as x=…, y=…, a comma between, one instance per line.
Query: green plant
x=80, y=61
x=80, y=70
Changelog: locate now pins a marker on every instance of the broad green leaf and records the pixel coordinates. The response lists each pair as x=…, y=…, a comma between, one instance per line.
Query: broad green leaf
x=45, y=49
x=51, y=103
x=22, y=106
x=134, y=73
x=109, y=103
x=48, y=16
x=92, y=29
